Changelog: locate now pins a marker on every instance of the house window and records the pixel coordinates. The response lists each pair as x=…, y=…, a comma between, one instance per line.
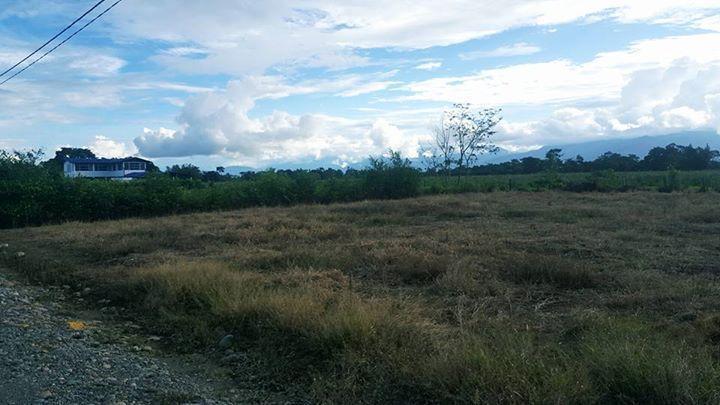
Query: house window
x=134, y=166
x=103, y=167
x=83, y=167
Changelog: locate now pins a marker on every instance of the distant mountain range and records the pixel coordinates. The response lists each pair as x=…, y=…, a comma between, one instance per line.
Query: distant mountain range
x=588, y=150
x=637, y=146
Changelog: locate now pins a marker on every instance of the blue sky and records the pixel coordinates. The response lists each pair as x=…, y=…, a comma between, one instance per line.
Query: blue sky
x=230, y=82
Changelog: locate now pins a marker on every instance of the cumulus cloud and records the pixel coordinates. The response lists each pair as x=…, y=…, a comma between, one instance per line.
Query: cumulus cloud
x=682, y=96
x=106, y=147
x=674, y=95
x=219, y=123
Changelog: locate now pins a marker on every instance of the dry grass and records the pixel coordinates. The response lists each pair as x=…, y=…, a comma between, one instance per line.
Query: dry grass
x=558, y=272
x=504, y=297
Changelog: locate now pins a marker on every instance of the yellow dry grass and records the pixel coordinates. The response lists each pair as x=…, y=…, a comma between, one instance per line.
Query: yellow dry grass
x=503, y=297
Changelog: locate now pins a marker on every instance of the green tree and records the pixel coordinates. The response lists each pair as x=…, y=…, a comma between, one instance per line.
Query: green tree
x=56, y=163
x=553, y=160
x=186, y=171
x=391, y=177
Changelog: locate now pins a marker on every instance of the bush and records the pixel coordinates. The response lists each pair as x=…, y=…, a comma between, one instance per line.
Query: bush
x=392, y=178
x=670, y=182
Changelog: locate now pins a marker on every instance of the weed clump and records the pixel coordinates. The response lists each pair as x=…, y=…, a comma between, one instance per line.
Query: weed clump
x=560, y=273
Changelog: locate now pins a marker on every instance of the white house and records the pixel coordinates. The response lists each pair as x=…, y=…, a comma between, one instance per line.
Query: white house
x=100, y=168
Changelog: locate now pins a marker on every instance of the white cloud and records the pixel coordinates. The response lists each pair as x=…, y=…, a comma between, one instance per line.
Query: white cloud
x=106, y=147
x=563, y=81
x=185, y=51
x=272, y=43
x=366, y=88
x=518, y=49
x=8, y=143
x=429, y=66
x=711, y=23
x=98, y=65
x=94, y=96
x=177, y=102
x=682, y=96
x=387, y=136
x=242, y=37
x=219, y=123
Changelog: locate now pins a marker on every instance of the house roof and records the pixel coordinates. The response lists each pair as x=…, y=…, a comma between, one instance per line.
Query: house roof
x=106, y=160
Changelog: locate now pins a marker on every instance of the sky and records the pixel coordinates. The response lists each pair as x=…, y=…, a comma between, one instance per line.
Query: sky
x=319, y=83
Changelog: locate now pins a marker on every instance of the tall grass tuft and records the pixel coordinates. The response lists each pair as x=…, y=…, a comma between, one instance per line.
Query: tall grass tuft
x=555, y=271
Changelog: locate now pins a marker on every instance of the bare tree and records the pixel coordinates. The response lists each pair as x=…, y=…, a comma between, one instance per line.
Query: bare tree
x=440, y=153
x=462, y=136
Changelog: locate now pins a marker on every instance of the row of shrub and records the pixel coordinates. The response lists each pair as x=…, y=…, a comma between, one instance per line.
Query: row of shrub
x=32, y=194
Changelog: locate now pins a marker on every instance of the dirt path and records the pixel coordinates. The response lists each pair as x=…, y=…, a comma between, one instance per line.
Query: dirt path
x=50, y=353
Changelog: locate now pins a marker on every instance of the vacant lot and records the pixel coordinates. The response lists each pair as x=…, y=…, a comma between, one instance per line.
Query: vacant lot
x=503, y=297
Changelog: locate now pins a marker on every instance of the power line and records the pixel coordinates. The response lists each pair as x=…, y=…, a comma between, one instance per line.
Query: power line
x=53, y=38
x=61, y=43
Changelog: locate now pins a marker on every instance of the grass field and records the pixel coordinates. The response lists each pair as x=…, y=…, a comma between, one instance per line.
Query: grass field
x=600, y=181
x=505, y=297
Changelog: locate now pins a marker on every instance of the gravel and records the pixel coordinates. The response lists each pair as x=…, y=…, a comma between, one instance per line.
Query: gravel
x=50, y=354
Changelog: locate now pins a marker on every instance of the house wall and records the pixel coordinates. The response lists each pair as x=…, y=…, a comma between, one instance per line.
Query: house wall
x=94, y=174
x=69, y=169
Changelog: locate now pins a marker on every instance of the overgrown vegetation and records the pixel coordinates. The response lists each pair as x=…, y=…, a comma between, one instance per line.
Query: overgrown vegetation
x=670, y=157
x=473, y=298
x=34, y=193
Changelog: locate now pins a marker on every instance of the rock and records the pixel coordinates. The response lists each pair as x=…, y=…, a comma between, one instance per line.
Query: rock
x=226, y=342
x=4, y=245
x=20, y=254
x=232, y=358
x=46, y=394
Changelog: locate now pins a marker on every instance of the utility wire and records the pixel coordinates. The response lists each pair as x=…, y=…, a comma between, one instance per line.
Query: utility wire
x=53, y=38
x=61, y=43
